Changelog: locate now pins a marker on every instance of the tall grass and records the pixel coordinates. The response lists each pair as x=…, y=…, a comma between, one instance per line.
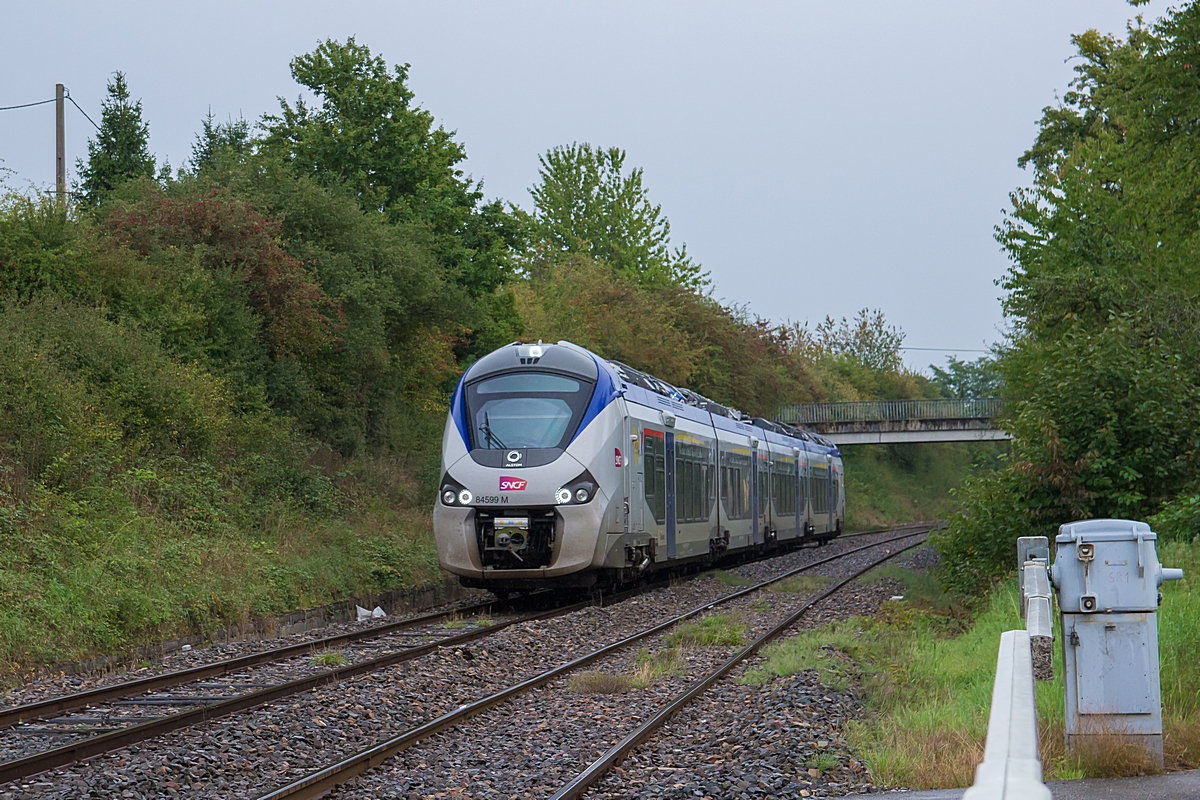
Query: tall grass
x=927, y=677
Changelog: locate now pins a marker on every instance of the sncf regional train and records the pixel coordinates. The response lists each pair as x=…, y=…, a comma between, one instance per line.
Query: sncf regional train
x=562, y=469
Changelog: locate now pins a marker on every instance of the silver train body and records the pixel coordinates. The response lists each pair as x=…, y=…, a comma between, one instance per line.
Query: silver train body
x=562, y=469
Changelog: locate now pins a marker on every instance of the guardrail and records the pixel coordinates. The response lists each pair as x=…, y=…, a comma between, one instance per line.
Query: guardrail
x=887, y=410
x=1011, y=769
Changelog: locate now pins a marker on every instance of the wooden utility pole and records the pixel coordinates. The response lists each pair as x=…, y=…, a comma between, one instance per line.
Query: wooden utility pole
x=60, y=146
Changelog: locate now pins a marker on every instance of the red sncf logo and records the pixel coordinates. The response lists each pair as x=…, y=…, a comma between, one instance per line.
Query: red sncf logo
x=508, y=484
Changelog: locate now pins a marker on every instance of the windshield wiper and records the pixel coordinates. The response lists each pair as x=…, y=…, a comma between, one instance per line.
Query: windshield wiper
x=493, y=441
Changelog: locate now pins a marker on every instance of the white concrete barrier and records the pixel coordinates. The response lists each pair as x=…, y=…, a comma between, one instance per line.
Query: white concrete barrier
x=1011, y=769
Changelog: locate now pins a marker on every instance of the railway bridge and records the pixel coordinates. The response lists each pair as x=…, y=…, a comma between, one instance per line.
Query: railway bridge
x=887, y=421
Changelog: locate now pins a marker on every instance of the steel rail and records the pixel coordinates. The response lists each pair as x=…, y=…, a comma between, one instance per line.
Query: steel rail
x=318, y=783
x=600, y=767
x=18, y=768
x=56, y=705
x=41, y=709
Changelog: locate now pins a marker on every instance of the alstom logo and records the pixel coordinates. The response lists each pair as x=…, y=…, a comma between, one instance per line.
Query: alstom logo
x=508, y=484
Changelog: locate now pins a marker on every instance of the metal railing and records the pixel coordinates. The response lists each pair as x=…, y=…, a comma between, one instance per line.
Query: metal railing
x=887, y=410
x=1011, y=768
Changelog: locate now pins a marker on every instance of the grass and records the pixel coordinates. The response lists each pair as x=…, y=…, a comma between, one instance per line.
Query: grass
x=823, y=761
x=731, y=578
x=718, y=630
x=330, y=658
x=484, y=622
x=454, y=622
x=926, y=669
x=648, y=666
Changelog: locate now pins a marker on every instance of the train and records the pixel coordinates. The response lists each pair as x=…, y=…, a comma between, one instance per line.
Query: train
x=564, y=470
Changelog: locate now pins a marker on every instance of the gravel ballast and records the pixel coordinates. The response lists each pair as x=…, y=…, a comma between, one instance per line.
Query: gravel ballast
x=247, y=754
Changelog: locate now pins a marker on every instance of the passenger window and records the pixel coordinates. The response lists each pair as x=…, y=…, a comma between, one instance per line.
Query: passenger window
x=656, y=477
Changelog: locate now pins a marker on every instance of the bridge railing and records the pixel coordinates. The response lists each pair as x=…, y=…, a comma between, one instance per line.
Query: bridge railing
x=888, y=410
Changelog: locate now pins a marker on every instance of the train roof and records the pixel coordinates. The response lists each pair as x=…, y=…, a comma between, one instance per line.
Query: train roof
x=571, y=358
x=635, y=377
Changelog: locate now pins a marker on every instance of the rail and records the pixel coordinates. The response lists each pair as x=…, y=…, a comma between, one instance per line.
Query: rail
x=890, y=410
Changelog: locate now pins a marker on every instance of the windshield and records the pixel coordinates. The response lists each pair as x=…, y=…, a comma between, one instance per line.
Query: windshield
x=526, y=410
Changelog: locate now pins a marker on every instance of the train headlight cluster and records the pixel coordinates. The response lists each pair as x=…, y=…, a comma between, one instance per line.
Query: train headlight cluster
x=577, y=492
x=454, y=493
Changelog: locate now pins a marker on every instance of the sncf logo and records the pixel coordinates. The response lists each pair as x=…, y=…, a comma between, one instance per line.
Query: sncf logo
x=508, y=484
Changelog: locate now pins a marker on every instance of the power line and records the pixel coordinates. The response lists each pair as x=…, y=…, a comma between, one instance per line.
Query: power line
x=947, y=349
x=30, y=105
x=81, y=111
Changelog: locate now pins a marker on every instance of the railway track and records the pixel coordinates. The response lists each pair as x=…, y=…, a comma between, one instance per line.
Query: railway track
x=208, y=707
x=321, y=782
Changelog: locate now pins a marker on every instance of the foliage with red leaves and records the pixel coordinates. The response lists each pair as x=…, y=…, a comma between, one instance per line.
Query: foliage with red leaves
x=229, y=234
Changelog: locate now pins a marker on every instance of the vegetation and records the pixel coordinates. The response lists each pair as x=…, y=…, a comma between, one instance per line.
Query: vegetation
x=716, y=630
x=1101, y=374
x=330, y=658
x=598, y=682
x=222, y=389
x=926, y=670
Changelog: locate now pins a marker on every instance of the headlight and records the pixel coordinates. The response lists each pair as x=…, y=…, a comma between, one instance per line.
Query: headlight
x=578, y=491
x=464, y=497
x=448, y=497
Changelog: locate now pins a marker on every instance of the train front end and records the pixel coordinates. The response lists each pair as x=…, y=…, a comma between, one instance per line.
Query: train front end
x=531, y=469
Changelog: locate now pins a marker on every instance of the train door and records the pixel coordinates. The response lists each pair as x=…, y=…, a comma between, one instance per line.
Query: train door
x=798, y=503
x=765, y=477
x=755, y=530
x=670, y=488
x=637, y=476
x=830, y=492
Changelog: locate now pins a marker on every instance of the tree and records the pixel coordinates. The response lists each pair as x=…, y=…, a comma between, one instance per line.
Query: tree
x=969, y=380
x=217, y=139
x=868, y=340
x=1102, y=372
x=367, y=134
x=119, y=151
x=587, y=204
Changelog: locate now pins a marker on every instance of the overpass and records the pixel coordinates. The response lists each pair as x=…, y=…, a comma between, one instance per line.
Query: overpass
x=887, y=421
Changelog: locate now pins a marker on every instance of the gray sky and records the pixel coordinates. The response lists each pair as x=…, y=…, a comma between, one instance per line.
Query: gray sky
x=818, y=158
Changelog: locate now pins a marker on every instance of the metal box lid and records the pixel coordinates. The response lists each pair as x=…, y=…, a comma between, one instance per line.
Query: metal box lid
x=1105, y=530
x=1106, y=565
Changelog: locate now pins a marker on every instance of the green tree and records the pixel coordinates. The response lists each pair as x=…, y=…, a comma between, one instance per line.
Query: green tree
x=1102, y=374
x=368, y=134
x=586, y=203
x=969, y=380
x=119, y=151
x=868, y=339
x=215, y=140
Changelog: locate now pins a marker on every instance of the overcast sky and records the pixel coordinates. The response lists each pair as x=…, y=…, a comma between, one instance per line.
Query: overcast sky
x=817, y=158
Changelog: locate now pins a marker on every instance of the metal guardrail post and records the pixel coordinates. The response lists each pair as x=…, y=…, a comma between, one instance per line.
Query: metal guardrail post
x=1033, y=570
x=1011, y=769
x=1039, y=620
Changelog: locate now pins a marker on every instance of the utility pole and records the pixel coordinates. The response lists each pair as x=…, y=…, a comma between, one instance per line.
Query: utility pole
x=60, y=147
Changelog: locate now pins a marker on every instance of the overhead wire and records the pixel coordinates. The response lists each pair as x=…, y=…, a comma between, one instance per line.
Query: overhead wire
x=81, y=111
x=28, y=105
x=66, y=94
